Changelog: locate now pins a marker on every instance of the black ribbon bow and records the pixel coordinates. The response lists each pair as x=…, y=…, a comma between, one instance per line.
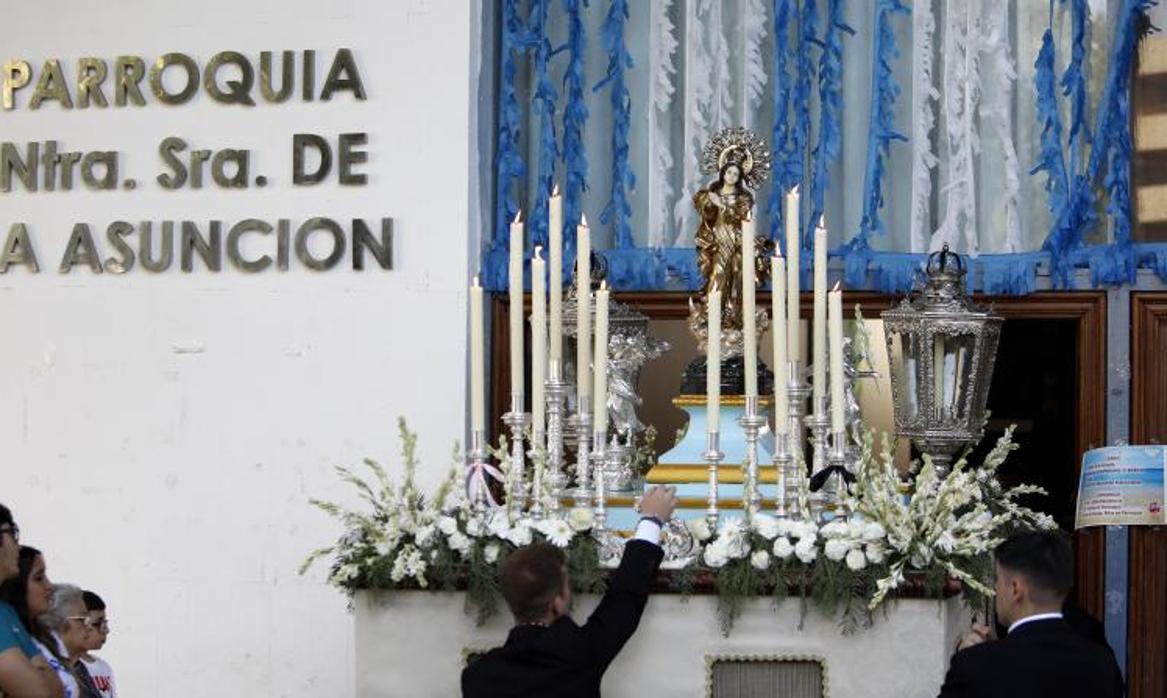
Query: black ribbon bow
x=819, y=479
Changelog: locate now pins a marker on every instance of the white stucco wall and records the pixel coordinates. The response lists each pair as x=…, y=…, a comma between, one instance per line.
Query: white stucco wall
x=161, y=433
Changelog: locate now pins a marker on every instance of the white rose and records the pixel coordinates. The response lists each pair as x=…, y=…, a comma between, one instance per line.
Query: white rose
x=837, y=528
x=499, y=525
x=760, y=560
x=491, y=553
x=447, y=525
x=874, y=531
x=715, y=556
x=383, y=547
x=474, y=527
x=782, y=547
x=765, y=526
x=423, y=535
x=459, y=543
x=699, y=527
x=520, y=535
x=836, y=549
x=875, y=553
x=856, y=560
x=805, y=529
x=580, y=519
x=805, y=550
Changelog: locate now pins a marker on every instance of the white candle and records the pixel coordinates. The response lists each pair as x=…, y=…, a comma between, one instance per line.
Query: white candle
x=713, y=361
x=937, y=374
x=778, y=333
x=792, y=258
x=477, y=365
x=600, y=380
x=583, y=312
x=838, y=401
x=555, y=213
x=820, y=313
x=749, y=323
x=515, y=289
x=538, y=340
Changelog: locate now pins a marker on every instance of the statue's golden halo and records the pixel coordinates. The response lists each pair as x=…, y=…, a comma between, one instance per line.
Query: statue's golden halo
x=742, y=147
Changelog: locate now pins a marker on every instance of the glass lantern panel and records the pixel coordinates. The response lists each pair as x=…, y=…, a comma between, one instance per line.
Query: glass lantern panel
x=905, y=370
x=954, y=379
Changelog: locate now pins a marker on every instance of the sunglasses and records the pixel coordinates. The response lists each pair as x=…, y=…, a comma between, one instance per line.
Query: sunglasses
x=12, y=529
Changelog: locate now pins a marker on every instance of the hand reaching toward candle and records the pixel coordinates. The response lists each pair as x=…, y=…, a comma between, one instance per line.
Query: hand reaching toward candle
x=660, y=502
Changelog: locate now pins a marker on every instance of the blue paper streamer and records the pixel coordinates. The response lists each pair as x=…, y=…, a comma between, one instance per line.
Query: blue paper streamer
x=1073, y=82
x=884, y=91
x=830, y=137
x=780, y=133
x=543, y=103
x=1051, y=158
x=792, y=166
x=618, y=212
x=575, y=117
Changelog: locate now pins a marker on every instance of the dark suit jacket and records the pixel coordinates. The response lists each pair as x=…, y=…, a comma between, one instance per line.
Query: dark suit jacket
x=564, y=659
x=1039, y=658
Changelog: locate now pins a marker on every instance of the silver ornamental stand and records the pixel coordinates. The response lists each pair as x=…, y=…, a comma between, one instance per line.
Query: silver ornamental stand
x=476, y=460
x=517, y=420
x=820, y=425
x=713, y=457
x=598, y=458
x=836, y=489
x=752, y=422
x=582, y=494
x=792, y=471
x=556, y=391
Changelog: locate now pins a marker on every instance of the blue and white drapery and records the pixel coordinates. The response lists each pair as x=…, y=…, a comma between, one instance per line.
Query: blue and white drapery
x=938, y=122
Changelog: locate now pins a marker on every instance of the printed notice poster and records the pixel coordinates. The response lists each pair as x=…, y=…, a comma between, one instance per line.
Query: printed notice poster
x=1122, y=486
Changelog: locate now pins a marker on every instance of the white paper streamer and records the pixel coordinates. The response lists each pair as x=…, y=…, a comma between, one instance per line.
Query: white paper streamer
x=997, y=99
x=960, y=97
x=722, y=115
x=753, y=23
x=662, y=87
x=698, y=93
x=924, y=98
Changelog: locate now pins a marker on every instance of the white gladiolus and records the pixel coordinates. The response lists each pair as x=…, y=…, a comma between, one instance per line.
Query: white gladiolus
x=836, y=549
x=490, y=552
x=760, y=559
x=874, y=531
x=520, y=534
x=782, y=548
x=765, y=526
x=875, y=553
x=423, y=535
x=459, y=543
x=383, y=547
x=856, y=560
x=346, y=573
x=474, y=527
x=499, y=525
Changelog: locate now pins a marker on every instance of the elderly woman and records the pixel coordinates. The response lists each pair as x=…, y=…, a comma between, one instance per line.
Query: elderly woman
x=68, y=621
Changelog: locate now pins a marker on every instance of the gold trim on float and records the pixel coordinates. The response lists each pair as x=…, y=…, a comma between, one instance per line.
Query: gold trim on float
x=729, y=400
x=676, y=473
x=693, y=503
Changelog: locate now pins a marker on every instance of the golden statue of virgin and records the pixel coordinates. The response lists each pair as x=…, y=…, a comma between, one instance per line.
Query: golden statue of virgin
x=740, y=160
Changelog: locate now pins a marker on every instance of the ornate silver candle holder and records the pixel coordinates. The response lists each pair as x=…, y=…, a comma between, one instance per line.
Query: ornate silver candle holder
x=556, y=392
x=517, y=421
x=820, y=425
x=478, y=473
x=598, y=458
x=751, y=422
x=582, y=493
x=785, y=477
x=713, y=456
x=797, y=392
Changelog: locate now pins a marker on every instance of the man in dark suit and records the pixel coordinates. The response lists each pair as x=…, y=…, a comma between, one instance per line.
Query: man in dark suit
x=546, y=653
x=1041, y=655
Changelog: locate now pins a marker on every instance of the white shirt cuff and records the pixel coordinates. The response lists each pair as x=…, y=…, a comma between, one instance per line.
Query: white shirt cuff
x=648, y=531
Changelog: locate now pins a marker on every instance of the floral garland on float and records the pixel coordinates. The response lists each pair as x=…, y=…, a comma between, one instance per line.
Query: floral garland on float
x=944, y=528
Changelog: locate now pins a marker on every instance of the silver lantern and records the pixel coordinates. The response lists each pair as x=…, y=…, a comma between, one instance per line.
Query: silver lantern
x=941, y=349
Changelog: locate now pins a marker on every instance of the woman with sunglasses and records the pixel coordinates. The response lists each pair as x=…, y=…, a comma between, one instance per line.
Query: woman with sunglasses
x=68, y=621
x=24, y=672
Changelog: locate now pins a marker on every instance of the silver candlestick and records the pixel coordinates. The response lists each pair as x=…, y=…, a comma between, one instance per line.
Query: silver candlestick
x=582, y=494
x=517, y=420
x=477, y=483
x=713, y=457
x=752, y=422
x=820, y=425
x=556, y=391
x=797, y=391
x=836, y=488
x=785, y=475
x=598, y=458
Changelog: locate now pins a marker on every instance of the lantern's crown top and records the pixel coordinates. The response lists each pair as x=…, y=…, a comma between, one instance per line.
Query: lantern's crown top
x=941, y=289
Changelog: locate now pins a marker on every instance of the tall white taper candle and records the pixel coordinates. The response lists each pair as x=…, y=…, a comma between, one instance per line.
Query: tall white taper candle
x=477, y=364
x=793, y=253
x=778, y=334
x=555, y=260
x=538, y=341
x=820, y=313
x=749, y=323
x=515, y=289
x=583, y=311
x=600, y=380
x=838, y=403
x=713, y=360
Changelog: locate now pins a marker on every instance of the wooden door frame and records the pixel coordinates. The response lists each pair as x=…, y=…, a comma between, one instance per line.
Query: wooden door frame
x=1147, y=570
x=1088, y=308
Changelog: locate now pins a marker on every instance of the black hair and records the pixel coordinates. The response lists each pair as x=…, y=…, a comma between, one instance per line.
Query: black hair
x=531, y=577
x=15, y=590
x=6, y=516
x=92, y=601
x=1044, y=558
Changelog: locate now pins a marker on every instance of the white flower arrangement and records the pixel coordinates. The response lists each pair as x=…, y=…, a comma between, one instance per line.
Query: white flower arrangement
x=947, y=527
